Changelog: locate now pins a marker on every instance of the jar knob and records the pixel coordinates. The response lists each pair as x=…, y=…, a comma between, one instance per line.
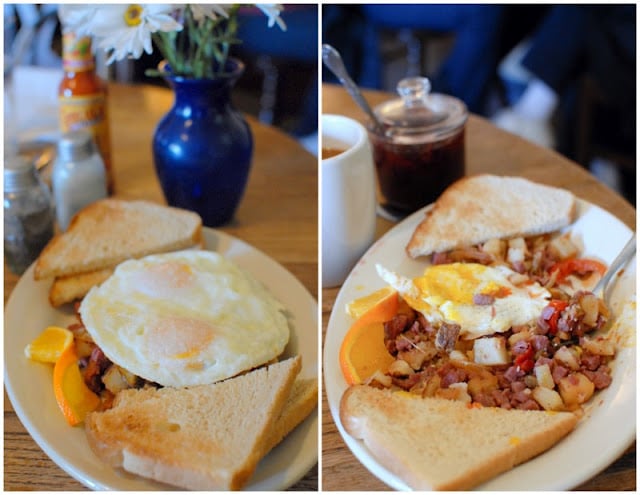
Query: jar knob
x=414, y=91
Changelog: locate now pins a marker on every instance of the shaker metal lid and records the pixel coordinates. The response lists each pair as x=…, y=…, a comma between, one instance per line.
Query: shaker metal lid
x=75, y=146
x=19, y=173
x=419, y=114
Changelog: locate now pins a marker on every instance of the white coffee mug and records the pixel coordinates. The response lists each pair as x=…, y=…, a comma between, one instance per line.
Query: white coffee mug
x=348, y=197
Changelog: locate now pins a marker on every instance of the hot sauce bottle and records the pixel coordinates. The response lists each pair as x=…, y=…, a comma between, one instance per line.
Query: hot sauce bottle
x=82, y=97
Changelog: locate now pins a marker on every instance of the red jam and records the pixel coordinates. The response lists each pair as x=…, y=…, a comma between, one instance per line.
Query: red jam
x=411, y=176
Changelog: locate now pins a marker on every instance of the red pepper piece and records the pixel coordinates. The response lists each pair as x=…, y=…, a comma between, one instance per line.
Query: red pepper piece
x=558, y=307
x=579, y=266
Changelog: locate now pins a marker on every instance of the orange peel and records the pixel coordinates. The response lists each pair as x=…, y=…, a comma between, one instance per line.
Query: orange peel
x=362, y=351
x=73, y=396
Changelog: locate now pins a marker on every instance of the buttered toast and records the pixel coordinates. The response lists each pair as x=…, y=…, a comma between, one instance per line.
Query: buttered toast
x=104, y=234
x=482, y=207
x=441, y=444
x=208, y=437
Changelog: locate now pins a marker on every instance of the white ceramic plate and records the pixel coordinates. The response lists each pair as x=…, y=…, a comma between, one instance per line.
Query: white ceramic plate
x=609, y=424
x=29, y=383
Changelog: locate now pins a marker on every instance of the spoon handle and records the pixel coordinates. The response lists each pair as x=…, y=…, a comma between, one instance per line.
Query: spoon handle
x=333, y=61
x=625, y=255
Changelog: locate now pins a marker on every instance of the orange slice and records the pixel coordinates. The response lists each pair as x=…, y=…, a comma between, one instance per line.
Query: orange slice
x=49, y=345
x=362, y=352
x=375, y=305
x=72, y=394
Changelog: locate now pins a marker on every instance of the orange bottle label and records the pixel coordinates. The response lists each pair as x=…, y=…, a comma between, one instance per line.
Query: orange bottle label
x=88, y=112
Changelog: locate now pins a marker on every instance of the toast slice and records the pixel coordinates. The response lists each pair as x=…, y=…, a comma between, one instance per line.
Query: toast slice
x=71, y=287
x=208, y=437
x=482, y=207
x=440, y=444
x=301, y=401
x=111, y=230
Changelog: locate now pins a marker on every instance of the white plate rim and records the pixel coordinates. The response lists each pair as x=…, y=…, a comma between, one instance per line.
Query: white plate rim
x=285, y=465
x=524, y=476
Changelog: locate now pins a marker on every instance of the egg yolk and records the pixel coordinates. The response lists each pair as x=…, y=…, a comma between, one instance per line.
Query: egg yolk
x=178, y=338
x=162, y=279
x=456, y=282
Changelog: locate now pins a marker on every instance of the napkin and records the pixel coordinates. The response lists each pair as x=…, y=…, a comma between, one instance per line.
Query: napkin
x=31, y=105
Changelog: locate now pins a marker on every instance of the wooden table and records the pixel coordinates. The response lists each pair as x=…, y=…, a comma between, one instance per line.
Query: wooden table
x=278, y=215
x=488, y=150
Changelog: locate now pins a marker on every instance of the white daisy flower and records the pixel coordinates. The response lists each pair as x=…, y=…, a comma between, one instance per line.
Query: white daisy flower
x=202, y=11
x=77, y=18
x=272, y=11
x=127, y=28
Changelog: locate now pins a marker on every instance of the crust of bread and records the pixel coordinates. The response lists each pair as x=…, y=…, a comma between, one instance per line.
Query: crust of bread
x=208, y=437
x=301, y=401
x=111, y=230
x=440, y=444
x=66, y=289
x=482, y=207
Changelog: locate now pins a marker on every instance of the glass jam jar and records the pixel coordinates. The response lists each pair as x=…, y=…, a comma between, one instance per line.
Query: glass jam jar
x=419, y=149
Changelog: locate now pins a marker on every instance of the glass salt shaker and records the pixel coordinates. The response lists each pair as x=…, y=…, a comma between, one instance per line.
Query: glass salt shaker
x=28, y=214
x=78, y=177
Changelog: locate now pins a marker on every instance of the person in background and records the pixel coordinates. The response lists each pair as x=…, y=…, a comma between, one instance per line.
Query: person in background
x=572, y=41
x=467, y=70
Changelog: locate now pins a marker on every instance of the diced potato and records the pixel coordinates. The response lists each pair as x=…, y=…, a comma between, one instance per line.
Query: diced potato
x=575, y=389
x=599, y=345
x=490, y=351
x=129, y=377
x=567, y=357
x=517, y=337
x=496, y=248
x=432, y=386
x=457, y=355
x=418, y=354
x=562, y=247
x=518, y=243
x=550, y=400
x=455, y=391
x=589, y=304
x=113, y=380
x=518, y=279
x=543, y=376
x=84, y=348
x=80, y=333
x=400, y=368
x=517, y=250
x=379, y=378
x=482, y=383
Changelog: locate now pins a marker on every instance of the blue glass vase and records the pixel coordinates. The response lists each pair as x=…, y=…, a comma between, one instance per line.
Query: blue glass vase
x=202, y=147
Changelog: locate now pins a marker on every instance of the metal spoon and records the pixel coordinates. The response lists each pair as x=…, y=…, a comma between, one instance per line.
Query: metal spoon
x=333, y=61
x=628, y=251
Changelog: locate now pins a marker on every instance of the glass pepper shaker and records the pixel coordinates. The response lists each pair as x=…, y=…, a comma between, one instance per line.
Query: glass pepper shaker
x=28, y=214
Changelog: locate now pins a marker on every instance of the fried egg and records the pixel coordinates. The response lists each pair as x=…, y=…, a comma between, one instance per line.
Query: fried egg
x=185, y=318
x=446, y=293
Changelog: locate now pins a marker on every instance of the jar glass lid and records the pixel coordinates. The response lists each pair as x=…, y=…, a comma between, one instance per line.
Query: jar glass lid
x=419, y=114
